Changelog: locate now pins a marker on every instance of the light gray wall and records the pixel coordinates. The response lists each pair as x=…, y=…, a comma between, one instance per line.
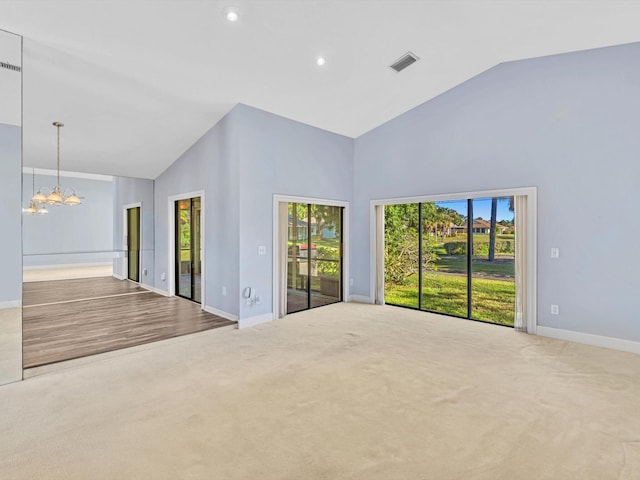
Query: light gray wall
x=129, y=191
x=281, y=156
x=567, y=124
x=69, y=235
x=10, y=213
x=240, y=164
x=212, y=165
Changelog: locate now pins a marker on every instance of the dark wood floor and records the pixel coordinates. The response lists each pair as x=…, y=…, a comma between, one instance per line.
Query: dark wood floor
x=125, y=317
x=38, y=293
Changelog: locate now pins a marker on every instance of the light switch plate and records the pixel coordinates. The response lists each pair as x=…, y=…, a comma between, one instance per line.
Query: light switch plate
x=262, y=250
x=555, y=253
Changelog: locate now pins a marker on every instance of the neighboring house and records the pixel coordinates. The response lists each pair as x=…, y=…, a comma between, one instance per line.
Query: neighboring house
x=479, y=226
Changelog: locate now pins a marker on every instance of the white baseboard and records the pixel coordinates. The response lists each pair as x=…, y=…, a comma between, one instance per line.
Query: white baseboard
x=66, y=265
x=11, y=304
x=360, y=299
x=257, y=320
x=153, y=289
x=119, y=277
x=220, y=313
x=589, y=339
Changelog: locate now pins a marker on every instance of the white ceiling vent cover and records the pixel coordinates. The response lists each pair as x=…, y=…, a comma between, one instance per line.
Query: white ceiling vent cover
x=404, y=61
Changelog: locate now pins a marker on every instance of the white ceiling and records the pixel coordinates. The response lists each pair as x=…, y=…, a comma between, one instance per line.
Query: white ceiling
x=137, y=82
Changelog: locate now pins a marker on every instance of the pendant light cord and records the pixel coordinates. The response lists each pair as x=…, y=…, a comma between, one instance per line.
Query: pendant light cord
x=58, y=155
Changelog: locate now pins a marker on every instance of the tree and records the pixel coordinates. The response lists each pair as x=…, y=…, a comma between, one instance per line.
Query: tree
x=492, y=229
x=401, y=242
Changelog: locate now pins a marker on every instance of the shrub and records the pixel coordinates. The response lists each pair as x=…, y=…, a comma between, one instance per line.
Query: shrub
x=456, y=248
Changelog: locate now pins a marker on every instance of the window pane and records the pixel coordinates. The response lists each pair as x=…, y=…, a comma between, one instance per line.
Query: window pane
x=401, y=254
x=325, y=255
x=493, y=261
x=444, y=257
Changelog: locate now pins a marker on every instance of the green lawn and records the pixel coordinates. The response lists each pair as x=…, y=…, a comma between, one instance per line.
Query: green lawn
x=477, y=238
x=446, y=293
x=458, y=264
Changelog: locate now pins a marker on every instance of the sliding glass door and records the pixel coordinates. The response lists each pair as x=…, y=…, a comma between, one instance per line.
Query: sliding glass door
x=436, y=261
x=314, y=256
x=133, y=244
x=188, y=249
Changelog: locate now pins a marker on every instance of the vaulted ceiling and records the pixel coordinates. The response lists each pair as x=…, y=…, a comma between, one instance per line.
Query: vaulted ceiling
x=137, y=82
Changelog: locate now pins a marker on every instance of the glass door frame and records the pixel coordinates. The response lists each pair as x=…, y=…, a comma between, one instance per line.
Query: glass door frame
x=377, y=230
x=195, y=249
x=309, y=258
x=131, y=210
x=123, y=268
x=171, y=243
x=279, y=287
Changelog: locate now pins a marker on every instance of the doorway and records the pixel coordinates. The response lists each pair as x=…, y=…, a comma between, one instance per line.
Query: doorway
x=468, y=255
x=188, y=249
x=133, y=244
x=436, y=261
x=314, y=255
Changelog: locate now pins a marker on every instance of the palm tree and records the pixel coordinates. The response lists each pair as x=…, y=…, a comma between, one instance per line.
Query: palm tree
x=492, y=229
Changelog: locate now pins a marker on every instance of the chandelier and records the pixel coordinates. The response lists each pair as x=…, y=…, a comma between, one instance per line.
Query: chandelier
x=34, y=208
x=57, y=195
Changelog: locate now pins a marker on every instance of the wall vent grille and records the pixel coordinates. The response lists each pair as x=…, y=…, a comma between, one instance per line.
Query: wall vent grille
x=9, y=66
x=404, y=61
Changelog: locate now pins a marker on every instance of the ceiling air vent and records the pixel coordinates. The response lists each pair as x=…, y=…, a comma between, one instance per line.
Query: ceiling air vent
x=404, y=61
x=8, y=66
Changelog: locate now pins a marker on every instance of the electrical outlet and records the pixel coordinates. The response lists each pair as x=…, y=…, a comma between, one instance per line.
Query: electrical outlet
x=262, y=250
x=163, y=277
x=224, y=291
x=555, y=310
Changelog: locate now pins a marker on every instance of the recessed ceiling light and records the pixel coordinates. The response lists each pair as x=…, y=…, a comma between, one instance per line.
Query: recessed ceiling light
x=320, y=61
x=231, y=14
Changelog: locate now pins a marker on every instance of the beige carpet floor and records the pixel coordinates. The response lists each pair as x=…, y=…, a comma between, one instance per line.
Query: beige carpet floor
x=346, y=391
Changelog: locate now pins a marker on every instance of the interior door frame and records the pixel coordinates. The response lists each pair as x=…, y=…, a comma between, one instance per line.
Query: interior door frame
x=376, y=293
x=171, y=268
x=277, y=200
x=125, y=241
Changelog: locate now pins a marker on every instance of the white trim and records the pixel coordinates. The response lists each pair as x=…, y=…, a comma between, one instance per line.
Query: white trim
x=277, y=198
x=257, y=320
x=220, y=313
x=589, y=339
x=532, y=226
x=171, y=270
x=65, y=265
x=441, y=197
x=53, y=173
x=360, y=299
x=125, y=239
x=11, y=304
x=150, y=288
x=118, y=276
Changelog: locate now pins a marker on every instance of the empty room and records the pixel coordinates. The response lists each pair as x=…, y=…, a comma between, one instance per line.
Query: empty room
x=323, y=239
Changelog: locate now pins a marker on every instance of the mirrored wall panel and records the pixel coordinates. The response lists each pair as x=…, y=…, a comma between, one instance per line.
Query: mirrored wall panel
x=10, y=207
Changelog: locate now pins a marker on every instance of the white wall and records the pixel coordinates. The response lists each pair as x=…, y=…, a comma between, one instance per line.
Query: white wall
x=281, y=156
x=567, y=124
x=240, y=164
x=211, y=164
x=130, y=191
x=81, y=234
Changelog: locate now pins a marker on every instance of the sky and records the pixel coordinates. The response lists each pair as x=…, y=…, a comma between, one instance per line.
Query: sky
x=481, y=208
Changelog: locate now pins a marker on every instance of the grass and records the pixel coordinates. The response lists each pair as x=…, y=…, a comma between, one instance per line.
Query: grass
x=477, y=238
x=493, y=300
x=501, y=267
